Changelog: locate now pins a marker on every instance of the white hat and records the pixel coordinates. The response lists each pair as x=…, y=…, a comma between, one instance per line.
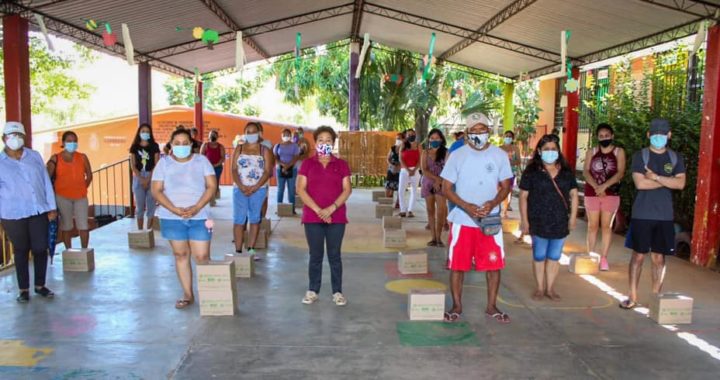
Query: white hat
x=13, y=127
x=477, y=118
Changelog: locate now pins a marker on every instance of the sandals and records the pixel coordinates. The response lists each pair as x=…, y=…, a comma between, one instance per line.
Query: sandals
x=451, y=316
x=499, y=317
x=432, y=243
x=411, y=215
x=183, y=303
x=402, y=215
x=439, y=244
x=628, y=304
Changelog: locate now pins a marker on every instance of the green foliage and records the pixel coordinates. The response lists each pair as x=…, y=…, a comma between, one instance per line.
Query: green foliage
x=527, y=112
x=217, y=96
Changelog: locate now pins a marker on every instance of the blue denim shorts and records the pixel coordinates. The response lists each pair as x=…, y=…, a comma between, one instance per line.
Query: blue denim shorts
x=248, y=207
x=185, y=229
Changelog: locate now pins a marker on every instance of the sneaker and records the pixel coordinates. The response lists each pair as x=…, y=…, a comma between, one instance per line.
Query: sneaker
x=251, y=252
x=604, y=266
x=310, y=297
x=339, y=299
x=23, y=297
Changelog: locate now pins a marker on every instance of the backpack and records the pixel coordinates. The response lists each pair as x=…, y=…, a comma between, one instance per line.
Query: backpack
x=646, y=157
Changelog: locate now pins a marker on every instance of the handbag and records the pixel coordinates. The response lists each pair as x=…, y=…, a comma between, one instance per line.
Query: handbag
x=559, y=192
x=490, y=225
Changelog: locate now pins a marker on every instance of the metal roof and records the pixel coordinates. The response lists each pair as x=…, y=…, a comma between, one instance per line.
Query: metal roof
x=506, y=37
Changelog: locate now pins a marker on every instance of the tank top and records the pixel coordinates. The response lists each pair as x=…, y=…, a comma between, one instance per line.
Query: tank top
x=70, y=177
x=214, y=155
x=603, y=166
x=251, y=167
x=411, y=157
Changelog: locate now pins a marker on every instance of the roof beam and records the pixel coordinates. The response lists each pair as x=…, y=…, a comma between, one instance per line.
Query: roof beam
x=697, y=8
x=225, y=18
x=357, y=19
x=512, y=9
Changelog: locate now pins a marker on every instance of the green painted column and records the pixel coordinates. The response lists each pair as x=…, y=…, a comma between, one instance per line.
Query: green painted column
x=509, y=109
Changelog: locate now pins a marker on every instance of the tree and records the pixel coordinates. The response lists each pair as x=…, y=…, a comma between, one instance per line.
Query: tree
x=527, y=112
x=217, y=96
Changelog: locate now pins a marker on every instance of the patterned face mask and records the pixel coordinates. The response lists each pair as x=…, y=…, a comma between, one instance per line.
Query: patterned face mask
x=323, y=150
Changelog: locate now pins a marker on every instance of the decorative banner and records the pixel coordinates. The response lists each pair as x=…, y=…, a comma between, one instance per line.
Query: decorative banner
x=198, y=78
x=210, y=37
x=363, y=52
x=239, y=53
x=129, y=50
x=564, y=37
x=699, y=37
x=563, y=101
x=109, y=38
x=426, y=71
x=571, y=85
x=43, y=29
x=197, y=32
x=91, y=25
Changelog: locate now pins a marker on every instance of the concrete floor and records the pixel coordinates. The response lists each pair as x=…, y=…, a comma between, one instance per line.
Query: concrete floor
x=119, y=321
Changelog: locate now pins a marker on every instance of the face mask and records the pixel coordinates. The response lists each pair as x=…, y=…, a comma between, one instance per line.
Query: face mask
x=549, y=156
x=144, y=136
x=508, y=141
x=658, y=141
x=71, y=147
x=15, y=142
x=478, y=140
x=286, y=138
x=435, y=144
x=323, y=150
x=411, y=139
x=182, y=151
x=606, y=143
x=213, y=138
x=251, y=138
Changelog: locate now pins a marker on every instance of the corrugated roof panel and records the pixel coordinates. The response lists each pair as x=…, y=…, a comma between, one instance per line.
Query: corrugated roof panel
x=253, y=12
x=313, y=34
x=206, y=60
x=405, y=36
x=463, y=13
x=497, y=60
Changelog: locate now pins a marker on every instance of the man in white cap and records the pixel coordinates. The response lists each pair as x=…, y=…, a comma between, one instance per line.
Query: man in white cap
x=27, y=203
x=480, y=174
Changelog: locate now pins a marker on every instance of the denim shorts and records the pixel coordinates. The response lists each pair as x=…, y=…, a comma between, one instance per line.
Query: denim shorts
x=185, y=229
x=248, y=208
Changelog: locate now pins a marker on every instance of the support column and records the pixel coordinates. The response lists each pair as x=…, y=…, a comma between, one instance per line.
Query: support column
x=706, y=237
x=509, y=110
x=199, y=109
x=144, y=94
x=16, y=64
x=572, y=120
x=354, y=89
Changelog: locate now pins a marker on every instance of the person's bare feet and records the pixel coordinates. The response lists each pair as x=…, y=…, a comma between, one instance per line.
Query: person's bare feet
x=538, y=295
x=553, y=296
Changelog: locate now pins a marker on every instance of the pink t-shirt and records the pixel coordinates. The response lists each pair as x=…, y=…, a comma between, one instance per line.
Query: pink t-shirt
x=324, y=186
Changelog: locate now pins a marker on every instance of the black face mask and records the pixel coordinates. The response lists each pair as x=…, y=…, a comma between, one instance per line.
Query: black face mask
x=411, y=139
x=606, y=143
x=213, y=138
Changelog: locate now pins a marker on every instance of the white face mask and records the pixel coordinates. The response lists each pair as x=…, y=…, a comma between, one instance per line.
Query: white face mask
x=15, y=142
x=286, y=138
x=478, y=140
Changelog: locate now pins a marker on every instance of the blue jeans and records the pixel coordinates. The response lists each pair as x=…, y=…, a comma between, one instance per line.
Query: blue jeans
x=248, y=208
x=144, y=200
x=290, y=183
x=319, y=235
x=547, y=249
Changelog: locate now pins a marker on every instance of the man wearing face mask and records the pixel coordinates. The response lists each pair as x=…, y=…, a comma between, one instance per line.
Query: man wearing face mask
x=657, y=171
x=27, y=203
x=477, y=170
x=215, y=153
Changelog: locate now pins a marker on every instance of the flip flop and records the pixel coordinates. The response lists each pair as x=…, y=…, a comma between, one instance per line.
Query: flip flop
x=181, y=304
x=451, y=317
x=499, y=317
x=628, y=305
x=432, y=243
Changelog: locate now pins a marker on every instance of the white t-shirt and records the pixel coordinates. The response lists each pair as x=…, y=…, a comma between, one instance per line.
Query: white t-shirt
x=476, y=175
x=184, y=183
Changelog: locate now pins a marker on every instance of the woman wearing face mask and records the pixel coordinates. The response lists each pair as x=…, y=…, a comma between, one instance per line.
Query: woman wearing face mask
x=286, y=155
x=513, y=152
x=72, y=175
x=393, y=173
x=324, y=186
x=548, y=208
x=215, y=153
x=432, y=163
x=250, y=170
x=604, y=170
x=409, y=160
x=184, y=184
x=144, y=155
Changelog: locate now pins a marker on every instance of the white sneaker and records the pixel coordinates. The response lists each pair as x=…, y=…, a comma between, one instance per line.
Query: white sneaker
x=339, y=299
x=310, y=297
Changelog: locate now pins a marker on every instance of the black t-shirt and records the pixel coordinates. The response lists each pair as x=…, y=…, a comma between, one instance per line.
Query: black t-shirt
x=548, y=213
x=145, y=156
x=656, y=204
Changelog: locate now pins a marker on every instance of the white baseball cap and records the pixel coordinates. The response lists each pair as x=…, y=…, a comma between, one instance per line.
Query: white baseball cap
x=13, y=127
x=477, y=118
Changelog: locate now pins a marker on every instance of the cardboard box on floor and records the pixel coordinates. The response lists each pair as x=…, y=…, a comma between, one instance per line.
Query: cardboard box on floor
x=392, y=223
x=584, y=264
x=285, y=209
x=213, y=304
x=671, y=309
x=385, y=201
x=78, y=260
x=216, y=288
x=394, y=238
x=426, y=305
x=260, y=243
x=377, y=194
x=244, y=264
x=142, y=239
x=383, y=210
x=413, y=262
x=266, y=225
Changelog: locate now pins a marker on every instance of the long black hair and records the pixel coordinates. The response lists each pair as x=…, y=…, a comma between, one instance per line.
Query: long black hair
x=407, y=144
x=442, y=150
x=536, y=164
x=136, y=141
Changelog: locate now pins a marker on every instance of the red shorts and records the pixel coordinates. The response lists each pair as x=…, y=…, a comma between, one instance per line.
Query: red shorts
x=468, y=244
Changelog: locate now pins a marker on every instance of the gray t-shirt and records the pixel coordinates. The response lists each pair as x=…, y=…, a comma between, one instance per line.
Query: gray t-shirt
x=655, y=204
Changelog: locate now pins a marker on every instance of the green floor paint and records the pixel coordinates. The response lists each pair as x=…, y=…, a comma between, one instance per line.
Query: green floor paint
x=434, y=334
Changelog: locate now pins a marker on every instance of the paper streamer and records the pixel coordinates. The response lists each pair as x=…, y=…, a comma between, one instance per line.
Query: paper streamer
x=699, y=37
x=563, y=49
x=298, y=44
x=43, y=29
x=430, y=57
x=129, y=50
x=363, y=52
x=239, y=52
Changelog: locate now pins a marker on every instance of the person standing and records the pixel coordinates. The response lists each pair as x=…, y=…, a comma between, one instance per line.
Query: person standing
x=393, y=173
x=269, y=145
x=459, y=141
x=196, y=144
x=304, y=145
x=251, y=171
x=184, y=184
x=286, y=155
x=513, y=152
x=72, y=174
x=215, y=153
x=548, y=211
x=481, y=175
x=603, y=171
x=144, y=155
x=657, y=171
x=27, y=204
x=324, y=186
x=409, y=160
x=432, y=162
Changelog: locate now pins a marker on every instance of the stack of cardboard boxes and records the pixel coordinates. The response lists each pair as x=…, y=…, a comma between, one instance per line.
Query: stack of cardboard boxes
x=393, y=234
x=216, y=288
x=244, y=264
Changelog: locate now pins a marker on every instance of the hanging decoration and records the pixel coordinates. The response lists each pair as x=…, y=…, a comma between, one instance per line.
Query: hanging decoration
x=239, y=53
x=91, y=25
x=699, y=38
x=456, y=91
x=129, y=50
x=43, y=29
x=298, y=44
x=209, y=37
x=109, y=38
x=571, y=85
x=363, y=52
x=428, y=59
x=197, y=32
x=198, y=78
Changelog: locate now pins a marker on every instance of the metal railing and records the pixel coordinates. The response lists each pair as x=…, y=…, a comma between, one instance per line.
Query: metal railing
x=110, y=194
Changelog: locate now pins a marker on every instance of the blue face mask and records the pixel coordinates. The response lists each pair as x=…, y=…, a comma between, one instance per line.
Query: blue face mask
x=182, y=151
x=658, y=141
x=549, y=156
x=71, y=147
x=508, y=140
x=145, y=136
x=435, y=144
x=251, y=138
